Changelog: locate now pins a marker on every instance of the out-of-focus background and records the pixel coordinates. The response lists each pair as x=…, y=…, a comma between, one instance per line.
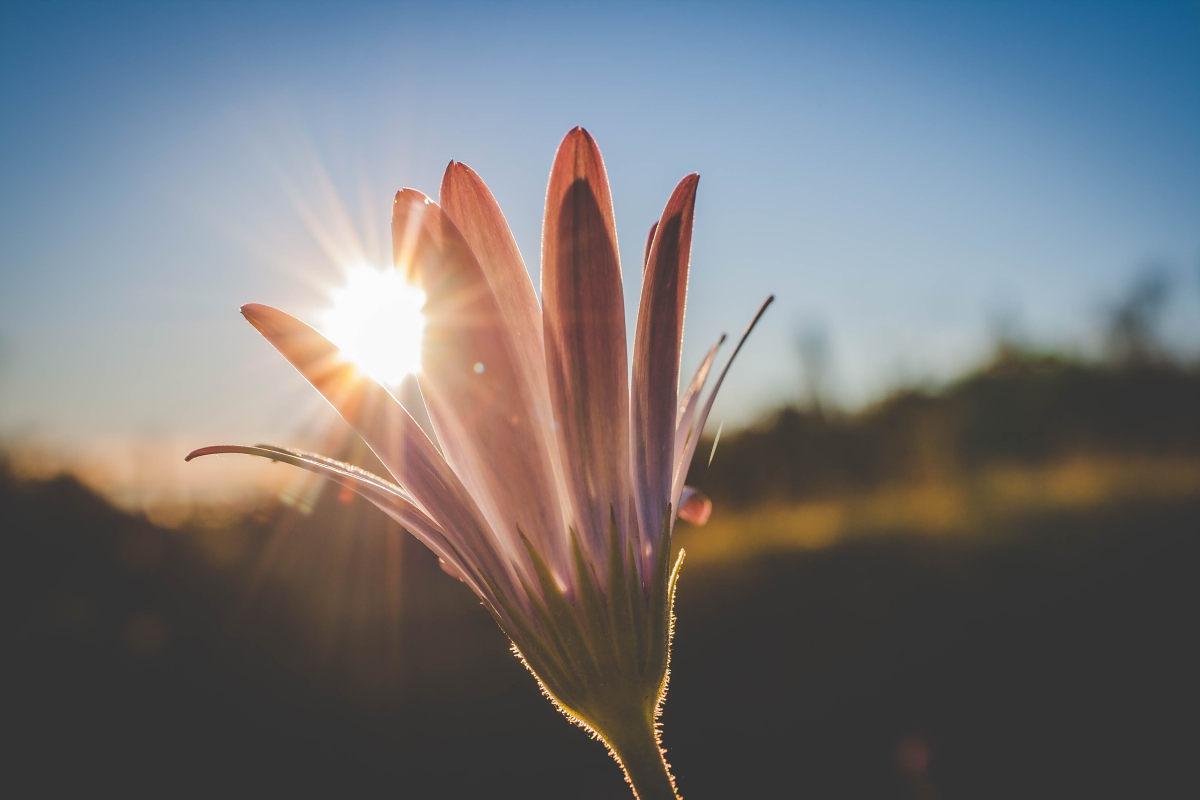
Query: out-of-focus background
x=957, y=482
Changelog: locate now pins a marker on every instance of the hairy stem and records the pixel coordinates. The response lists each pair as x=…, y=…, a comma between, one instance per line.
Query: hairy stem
x=638, y=752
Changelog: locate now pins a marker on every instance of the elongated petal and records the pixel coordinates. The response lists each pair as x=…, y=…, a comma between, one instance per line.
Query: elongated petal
x=584, y=325
x=689, y=449
x=469, y=203
x=479, y=397
x=477, y=215
x=381, y=493
x=689, y=408
x=656, y=358
x=399, y=443
x=694, y=506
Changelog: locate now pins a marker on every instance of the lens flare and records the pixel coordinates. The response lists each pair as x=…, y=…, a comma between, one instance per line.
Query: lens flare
x=376, y=321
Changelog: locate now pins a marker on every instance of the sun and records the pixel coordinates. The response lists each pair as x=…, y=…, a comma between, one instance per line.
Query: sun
x=376, y=321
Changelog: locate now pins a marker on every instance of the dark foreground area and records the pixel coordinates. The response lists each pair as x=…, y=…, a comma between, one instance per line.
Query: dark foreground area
x=1049, y=657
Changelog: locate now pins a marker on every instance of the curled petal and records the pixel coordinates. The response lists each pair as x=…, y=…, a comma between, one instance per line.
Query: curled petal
x=684, y=457
x=584, y=331
x=689, y=408
x=381, y=493
x=694, y=506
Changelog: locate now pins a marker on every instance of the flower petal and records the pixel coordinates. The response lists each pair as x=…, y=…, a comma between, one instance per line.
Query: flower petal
x=584, y=324
x=656, y=358
x=384, y=495
x=689, y=449
x=470, y=204
x=689, y=407
x=477, y=215
x=479, y=396
x=388, y=430
x=694, y=506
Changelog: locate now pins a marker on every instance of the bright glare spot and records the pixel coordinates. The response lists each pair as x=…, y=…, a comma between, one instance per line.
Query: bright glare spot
x=375, y=319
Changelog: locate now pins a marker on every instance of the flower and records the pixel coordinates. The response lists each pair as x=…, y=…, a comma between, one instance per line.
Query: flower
x=554, y=483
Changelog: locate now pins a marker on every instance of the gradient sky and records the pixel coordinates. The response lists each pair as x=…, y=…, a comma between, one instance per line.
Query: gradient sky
x=900, y=174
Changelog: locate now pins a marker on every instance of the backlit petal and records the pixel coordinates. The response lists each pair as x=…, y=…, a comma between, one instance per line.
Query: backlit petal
x=656, y=358
x=477, y=215
x=689, y=409
x=584, y=325
x=480, y=400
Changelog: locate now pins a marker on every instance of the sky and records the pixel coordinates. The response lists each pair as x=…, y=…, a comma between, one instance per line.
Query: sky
x=901, y=175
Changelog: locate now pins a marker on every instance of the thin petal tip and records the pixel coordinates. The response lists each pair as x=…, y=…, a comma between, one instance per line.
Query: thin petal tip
x=456, y=177
x=203, y=451
x=264, y=450
x=577, y=137
x=683, y=197
x=409, y=195
x=260, y=316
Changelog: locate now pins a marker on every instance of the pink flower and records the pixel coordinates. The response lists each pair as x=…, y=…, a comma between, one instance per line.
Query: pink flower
x=555, y=479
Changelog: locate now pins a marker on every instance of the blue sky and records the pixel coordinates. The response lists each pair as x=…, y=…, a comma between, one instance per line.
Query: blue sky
x=900, y=174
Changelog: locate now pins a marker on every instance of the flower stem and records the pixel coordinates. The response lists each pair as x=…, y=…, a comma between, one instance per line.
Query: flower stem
x=642, y=759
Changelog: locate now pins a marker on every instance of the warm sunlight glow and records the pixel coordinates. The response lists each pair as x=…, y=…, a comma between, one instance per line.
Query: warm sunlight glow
x=375, y=320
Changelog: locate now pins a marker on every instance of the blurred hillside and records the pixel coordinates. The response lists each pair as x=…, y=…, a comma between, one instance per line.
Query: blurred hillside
x=1023, y=409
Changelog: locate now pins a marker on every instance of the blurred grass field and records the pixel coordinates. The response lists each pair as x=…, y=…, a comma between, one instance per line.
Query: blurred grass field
x=961, y=506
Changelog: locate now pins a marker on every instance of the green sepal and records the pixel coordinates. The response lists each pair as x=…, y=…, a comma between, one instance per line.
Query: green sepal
x=564, y=621
x=620, y=585
x=595, y=614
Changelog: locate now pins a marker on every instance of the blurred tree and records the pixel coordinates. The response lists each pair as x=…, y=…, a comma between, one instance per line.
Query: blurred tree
x=1006, y=327
x=1132, y=329
x=812, y=345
